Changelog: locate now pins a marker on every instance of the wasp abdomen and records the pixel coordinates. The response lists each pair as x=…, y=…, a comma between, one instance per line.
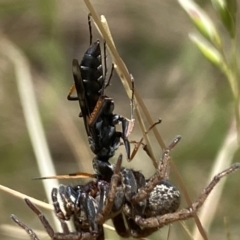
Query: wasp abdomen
x=92, y=74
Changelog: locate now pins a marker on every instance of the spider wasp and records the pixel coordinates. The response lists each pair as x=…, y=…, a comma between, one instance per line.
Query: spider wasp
x=97, y=109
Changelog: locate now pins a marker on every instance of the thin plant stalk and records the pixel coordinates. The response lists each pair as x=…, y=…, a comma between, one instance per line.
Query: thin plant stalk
x=31, y=113
x=23, y=196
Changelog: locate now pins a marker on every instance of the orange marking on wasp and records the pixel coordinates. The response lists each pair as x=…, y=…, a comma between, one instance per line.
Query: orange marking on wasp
x=97, y=109
x=71, y=90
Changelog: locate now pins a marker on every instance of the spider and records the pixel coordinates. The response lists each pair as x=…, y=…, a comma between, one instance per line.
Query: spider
x=95, y=202
x=131, y=191
x=154, y=203
x=146, y=205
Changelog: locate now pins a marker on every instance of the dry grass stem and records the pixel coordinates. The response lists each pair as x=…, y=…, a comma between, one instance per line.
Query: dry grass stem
x=30, y=111
x=121, y=68
x=125, y=81
x=23, y=196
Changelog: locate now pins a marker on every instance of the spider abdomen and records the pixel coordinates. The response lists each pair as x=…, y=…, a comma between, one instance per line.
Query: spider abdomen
x=165, y=198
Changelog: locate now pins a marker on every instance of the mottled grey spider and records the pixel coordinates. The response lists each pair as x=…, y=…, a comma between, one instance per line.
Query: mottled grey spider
x=146, y=205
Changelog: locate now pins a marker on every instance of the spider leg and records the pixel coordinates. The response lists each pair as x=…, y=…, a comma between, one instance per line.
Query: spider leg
x=64, y=227
x=103, y=191
x=58, y=211
x=161, y=220
x=81, y=206
x=136, y=231
x=159, y=175
x=132, y=181
x=103, y=213
x=138, y=144
x=27, y=229
x=88, y=207
x=57, y=235
x=42, y=218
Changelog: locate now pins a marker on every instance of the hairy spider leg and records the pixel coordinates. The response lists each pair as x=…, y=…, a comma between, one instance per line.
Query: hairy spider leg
x=27, y=229
x=139, y=143
x=66, y=235
x=58, y=211
x=159, y=175
x=160, y=221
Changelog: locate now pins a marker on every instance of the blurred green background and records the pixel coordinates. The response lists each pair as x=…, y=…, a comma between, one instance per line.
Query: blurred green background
x=176, y=83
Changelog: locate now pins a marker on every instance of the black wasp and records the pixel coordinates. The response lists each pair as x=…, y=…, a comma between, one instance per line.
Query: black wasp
x=97, y=109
